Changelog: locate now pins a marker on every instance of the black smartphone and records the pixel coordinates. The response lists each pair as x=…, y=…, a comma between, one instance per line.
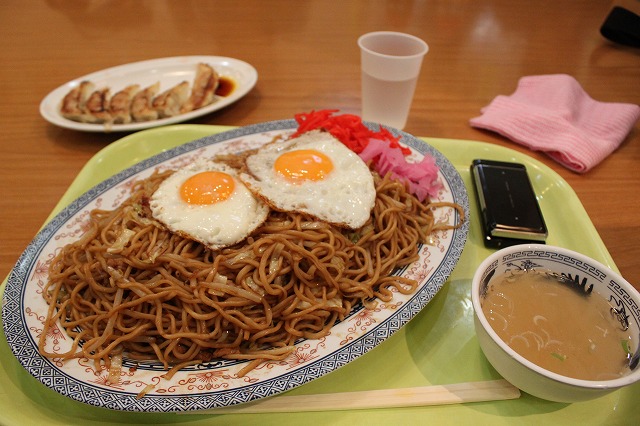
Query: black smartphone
x=510, y=213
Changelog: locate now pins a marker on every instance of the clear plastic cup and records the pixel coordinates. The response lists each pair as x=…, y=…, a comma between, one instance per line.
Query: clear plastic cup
x=390, y=63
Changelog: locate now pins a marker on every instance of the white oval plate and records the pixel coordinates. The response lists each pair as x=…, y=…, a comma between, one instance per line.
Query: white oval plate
x=169, y=72
x=213, y=384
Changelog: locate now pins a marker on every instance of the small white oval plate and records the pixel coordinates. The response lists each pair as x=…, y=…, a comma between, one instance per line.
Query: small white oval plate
x=169, y=72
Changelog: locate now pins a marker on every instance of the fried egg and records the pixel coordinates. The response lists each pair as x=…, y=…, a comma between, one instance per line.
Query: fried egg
x=315, y=174
x=206, y=202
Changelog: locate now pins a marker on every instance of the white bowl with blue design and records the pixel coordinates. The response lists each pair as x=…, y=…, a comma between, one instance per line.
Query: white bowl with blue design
x=523, y=373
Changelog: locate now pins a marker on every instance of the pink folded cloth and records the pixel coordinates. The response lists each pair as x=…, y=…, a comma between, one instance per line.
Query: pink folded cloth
x=553, y=114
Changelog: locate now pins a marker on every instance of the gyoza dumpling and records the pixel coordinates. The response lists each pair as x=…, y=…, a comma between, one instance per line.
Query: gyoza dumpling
x=97, y=107
x=73, y=103
x=141, y=105
x=120, y=104
x=204, y=88
x=170, y=102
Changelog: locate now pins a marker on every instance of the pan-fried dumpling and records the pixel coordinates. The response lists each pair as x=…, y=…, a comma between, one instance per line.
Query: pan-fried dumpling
x=204, y=88
x=141, y=105
x=170, y=102
x=73, y=103
x=120, y=104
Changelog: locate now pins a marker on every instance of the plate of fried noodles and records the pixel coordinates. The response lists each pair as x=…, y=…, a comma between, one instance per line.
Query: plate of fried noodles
x=156, y=322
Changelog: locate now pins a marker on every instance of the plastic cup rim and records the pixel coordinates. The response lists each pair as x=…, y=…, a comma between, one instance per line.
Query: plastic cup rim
x=425, y=46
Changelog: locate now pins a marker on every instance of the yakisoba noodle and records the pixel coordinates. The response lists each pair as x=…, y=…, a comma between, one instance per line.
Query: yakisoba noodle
x=131, y=288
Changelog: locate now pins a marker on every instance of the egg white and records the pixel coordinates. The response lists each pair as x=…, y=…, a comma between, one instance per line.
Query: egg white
x=343, y=198
x=215, y=225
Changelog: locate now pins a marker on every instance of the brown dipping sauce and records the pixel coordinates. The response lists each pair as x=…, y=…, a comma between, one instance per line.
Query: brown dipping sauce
x=226, y=86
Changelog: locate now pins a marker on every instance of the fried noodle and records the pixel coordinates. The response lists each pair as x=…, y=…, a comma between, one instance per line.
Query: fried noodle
x=129, y=287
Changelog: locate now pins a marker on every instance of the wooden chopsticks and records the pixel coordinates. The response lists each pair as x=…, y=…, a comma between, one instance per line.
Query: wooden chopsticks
x=457, y=393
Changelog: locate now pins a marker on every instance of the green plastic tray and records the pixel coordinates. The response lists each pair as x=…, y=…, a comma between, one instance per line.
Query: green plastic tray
x=437, y=347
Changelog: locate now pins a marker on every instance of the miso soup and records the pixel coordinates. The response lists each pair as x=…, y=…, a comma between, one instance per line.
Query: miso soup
x=554, y=326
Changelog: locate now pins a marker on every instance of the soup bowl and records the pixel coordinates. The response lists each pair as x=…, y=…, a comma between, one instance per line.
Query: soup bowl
x=523, y=373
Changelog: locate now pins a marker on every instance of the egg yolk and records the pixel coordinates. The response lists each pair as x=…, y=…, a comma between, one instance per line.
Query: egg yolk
x=207, y=188
x=303, y=164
